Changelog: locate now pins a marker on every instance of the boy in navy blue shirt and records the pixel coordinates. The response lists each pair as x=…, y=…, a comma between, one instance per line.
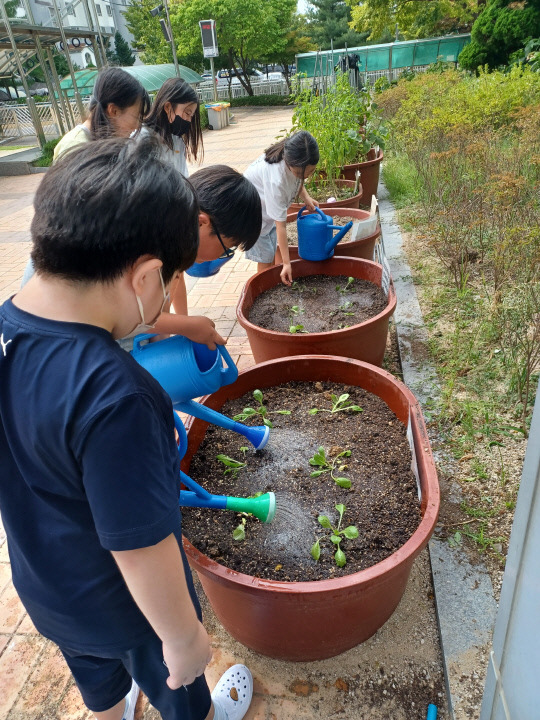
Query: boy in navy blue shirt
x=89, y=470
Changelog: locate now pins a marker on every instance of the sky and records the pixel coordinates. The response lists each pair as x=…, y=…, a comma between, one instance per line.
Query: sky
x=302, y=6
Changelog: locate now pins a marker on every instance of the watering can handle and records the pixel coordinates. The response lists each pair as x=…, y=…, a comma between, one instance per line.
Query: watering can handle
x=139, y=339
x=182, y=435
x=316, y=210
x=230, y=373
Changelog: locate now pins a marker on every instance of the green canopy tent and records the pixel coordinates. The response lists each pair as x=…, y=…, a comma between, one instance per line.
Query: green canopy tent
x=151, y=78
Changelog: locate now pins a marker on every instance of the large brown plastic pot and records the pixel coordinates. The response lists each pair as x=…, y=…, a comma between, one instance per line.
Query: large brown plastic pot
x=369, y=175
x=352, y=202
x=314, y=620
x=365, y=341
x=359, y=248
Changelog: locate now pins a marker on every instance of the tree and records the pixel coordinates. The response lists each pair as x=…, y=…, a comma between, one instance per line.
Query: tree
x=419, y=19
x=147, y=34
x=247, y=30
x=122, y=52
x=329, y=22
x=501, y=28
x=298, y=41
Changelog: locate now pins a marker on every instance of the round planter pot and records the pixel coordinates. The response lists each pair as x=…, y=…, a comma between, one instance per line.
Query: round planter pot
x=352, y=202
x=359, y=248
x=365, y=341
x=306, y=621
x=369, y=175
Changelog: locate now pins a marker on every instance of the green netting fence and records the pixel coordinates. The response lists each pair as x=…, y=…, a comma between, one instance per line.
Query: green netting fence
x=389, y=59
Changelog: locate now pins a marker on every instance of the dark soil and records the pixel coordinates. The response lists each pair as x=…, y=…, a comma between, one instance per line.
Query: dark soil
x=382, y=501
x=321, y=307
x=292, y=230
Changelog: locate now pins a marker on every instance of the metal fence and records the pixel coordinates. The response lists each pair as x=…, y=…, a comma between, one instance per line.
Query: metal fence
x=16, y=121
x=236, y=90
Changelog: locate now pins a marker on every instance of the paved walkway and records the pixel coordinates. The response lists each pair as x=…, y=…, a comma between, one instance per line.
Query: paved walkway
x=385, y=674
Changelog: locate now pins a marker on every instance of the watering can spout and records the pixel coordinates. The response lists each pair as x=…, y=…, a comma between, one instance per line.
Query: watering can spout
x=331, y=244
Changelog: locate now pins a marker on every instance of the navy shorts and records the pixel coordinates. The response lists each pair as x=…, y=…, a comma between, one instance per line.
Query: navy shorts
x=103, y=682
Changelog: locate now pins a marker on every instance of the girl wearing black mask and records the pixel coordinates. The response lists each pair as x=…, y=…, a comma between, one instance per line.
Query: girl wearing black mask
x=175, y=119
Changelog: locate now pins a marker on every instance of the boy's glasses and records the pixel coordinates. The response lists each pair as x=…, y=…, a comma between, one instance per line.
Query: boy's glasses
x=228, y=252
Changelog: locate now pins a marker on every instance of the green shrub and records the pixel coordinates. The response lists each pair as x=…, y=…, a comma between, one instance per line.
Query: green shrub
x=204, y=116
x=261, y=100
x=47, y=151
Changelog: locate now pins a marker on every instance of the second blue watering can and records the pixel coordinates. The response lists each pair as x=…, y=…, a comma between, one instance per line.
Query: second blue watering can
x=315, y=235
x=185, y=369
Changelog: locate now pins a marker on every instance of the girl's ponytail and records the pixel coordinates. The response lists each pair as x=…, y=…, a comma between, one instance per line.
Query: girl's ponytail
x=298, y=150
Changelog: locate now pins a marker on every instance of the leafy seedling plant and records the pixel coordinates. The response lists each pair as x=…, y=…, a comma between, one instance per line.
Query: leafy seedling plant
x=336, y=537
x=294, y=312
x=347, y=287
x=330, y=465
x=339, y=404
x=261, y=410
x=239, y=532
x=231, y=465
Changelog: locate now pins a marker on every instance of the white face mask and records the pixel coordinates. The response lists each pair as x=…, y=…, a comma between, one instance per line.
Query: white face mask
x=144, y=327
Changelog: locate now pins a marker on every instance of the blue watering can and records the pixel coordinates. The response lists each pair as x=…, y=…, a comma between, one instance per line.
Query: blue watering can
x=209, y=267
x=263, y=506
x=186, y=370
x=315, y=239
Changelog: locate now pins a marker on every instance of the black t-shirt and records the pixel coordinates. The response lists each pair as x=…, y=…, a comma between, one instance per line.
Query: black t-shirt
x=88, y=464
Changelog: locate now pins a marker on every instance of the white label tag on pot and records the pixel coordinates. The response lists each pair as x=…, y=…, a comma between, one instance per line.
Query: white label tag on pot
x=386, y=275
x=374, y=205
x=414, y=464
x=363, y=228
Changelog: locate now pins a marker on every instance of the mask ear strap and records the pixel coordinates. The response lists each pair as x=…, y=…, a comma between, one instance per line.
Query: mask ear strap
x=141, y=309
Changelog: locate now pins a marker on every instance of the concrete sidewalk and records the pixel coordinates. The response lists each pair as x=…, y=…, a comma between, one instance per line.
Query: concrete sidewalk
x=393, y=675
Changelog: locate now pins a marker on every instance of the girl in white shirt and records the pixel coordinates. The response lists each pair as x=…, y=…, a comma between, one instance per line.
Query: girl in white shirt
x=279, y=177
x=176, y=120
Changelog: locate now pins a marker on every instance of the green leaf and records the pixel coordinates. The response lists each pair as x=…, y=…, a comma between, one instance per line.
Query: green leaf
x=283, y=412
x=340, y=558
x=316, y=550
x=316, y=473
x=313, y=411
x=355, y=408
x=350, y=532
x=267, y=422
x=343, y=482
x=230, y=462
x=239, y=533
x=341, y=509
x=257, y=394
x=335, y=539
x=344, y=397
x=325, y=522
x=317, y=460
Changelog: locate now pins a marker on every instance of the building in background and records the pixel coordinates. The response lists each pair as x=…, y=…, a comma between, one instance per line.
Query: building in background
x=108, y=14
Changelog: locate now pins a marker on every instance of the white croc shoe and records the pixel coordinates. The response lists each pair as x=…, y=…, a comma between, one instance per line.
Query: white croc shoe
x=234, y=691
x=131, y=701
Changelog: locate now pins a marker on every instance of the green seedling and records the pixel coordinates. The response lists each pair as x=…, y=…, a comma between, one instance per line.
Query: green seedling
x=296, y=310
x=343, y=309
x=455, y=540
x=336, y=536
x=297, y=329
x=331, y=465
x=338, y=405
x=244, y=450
x=231, y=465
x=348, y=286
x=261, y=410
x=239, y=532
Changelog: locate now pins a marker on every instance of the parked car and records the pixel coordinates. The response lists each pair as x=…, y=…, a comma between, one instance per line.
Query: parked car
x=223, y=77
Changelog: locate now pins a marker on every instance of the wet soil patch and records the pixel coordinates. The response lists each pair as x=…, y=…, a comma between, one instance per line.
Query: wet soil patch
x=292, y=229
x=382, y=501
x=317, y=303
